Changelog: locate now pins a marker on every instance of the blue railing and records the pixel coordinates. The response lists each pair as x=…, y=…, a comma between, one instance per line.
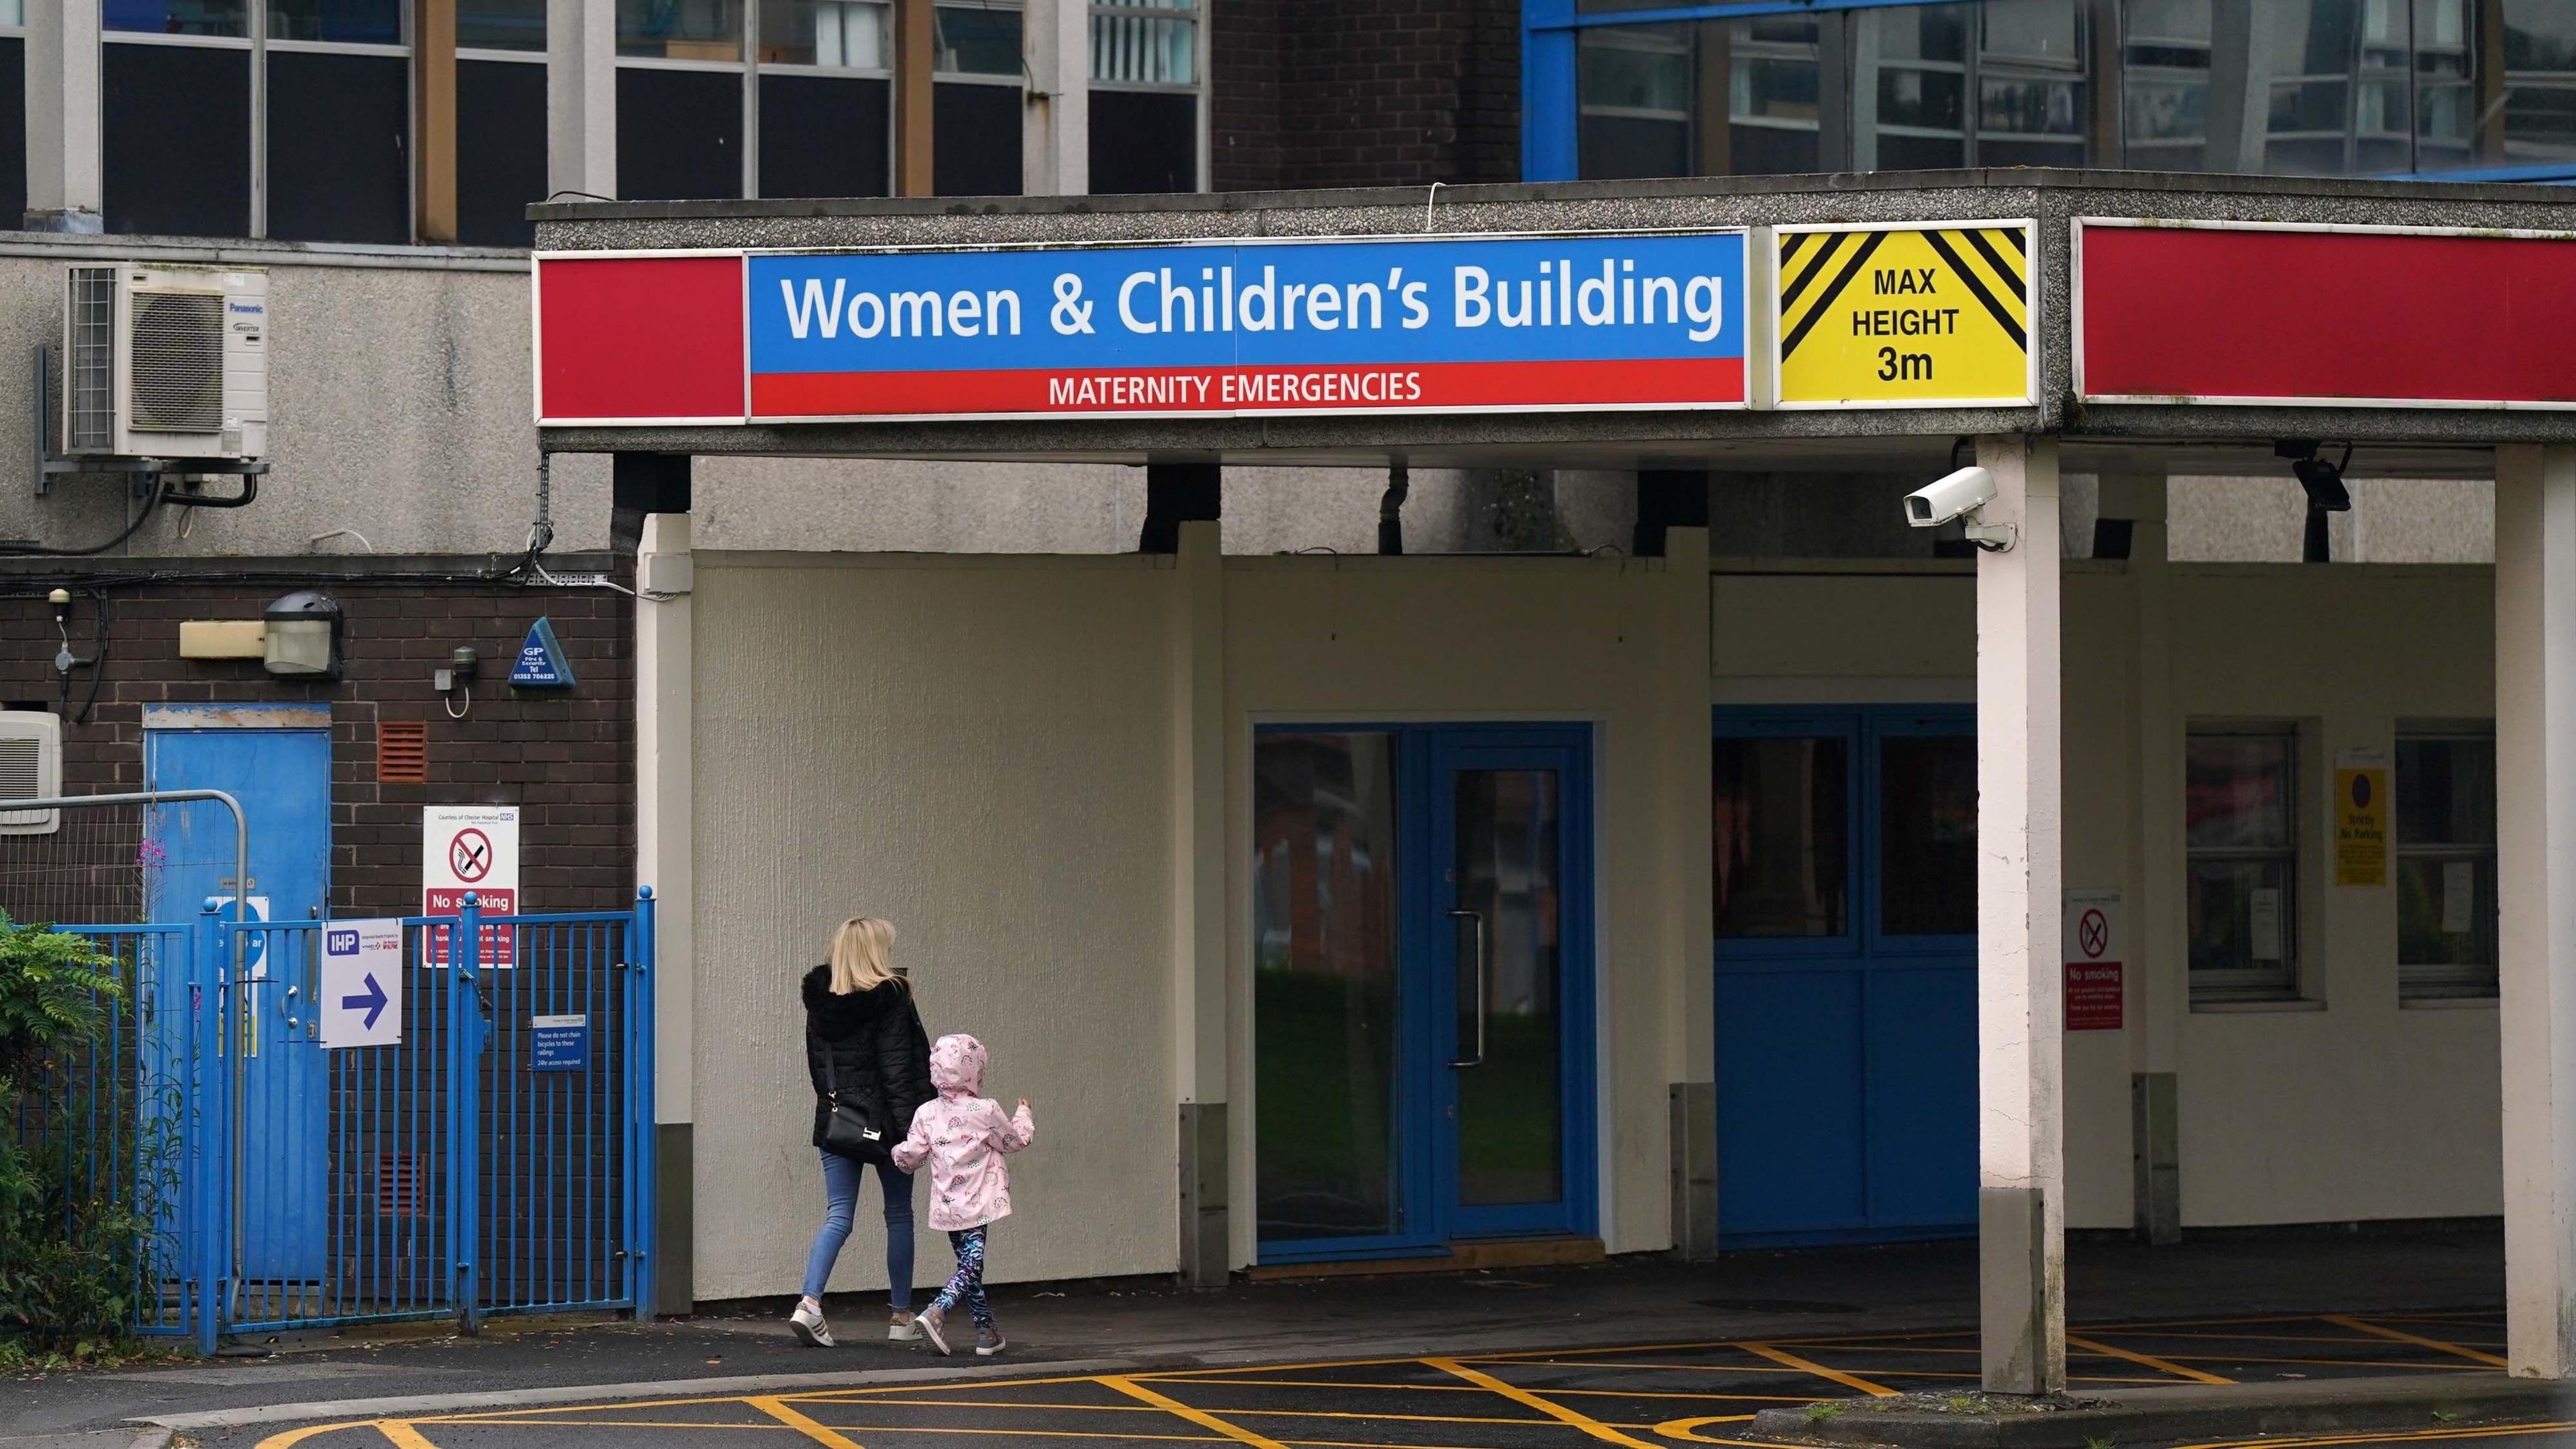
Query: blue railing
x=497, y=1158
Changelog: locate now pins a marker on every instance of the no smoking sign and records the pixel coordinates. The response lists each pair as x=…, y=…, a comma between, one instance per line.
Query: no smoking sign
x=2096, y=981
x=471, y=848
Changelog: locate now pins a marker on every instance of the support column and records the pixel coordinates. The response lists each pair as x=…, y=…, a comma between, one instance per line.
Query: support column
x=1178, y=493
x=1682, y=664
x=1200, y=1011
x=1055, y=126
x=2159, y=993
x=433, y=52
x=913, y=173
x=665, y=860
x=581, y=96
x=2020, y=1046
x=65, y=180
x=2535, y=530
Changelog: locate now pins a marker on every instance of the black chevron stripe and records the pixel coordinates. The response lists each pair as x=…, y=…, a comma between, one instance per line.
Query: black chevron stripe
x=1860, y=258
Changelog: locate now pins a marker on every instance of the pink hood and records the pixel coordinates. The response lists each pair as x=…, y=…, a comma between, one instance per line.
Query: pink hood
x=957, y=1066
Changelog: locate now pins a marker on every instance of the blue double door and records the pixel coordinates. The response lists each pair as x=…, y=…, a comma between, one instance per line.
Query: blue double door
x=1422, y=999
x=276, y=761
x=1845, y=889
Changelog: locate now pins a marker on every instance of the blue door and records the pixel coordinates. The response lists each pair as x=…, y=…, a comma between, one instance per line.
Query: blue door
x=1422, y=1011
x=1846, y=908
x=277, y=762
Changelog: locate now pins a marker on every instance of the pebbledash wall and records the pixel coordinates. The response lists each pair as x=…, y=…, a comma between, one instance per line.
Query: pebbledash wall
x=566, y=757
x=995, y=752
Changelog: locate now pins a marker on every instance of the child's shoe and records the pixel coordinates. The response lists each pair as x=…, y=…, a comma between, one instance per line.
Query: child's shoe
x=989, y=1341
x=930, y=1321
x=903, y=1327
x=807, y=1324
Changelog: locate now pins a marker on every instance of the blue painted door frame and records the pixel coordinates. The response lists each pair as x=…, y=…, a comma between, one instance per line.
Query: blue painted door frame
x=1430, y=759
x=1846, y=1064
x=277, y=762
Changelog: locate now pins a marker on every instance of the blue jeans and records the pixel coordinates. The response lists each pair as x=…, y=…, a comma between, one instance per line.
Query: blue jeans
x=840, y=1204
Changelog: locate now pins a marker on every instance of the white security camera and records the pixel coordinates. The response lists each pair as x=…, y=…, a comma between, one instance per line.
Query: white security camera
x=1959, y=496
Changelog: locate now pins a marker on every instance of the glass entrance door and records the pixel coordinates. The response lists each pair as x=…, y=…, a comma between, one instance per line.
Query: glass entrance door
x=1422, y=986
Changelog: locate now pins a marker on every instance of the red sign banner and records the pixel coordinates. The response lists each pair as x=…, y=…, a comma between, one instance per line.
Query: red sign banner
x=2169, y=312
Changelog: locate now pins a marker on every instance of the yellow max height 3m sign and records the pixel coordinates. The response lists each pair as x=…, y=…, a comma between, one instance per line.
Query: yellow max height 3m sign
x=1916, y=315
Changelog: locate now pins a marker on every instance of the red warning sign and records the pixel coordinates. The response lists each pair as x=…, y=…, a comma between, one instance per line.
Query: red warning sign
x=2096, y=986
x=471, y=848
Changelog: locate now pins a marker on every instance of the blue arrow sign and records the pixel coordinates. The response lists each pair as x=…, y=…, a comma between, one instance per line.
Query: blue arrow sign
x=372, y=1003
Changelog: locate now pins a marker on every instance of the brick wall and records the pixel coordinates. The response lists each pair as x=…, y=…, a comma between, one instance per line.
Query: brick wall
x=1308, y=93
x=567, y=757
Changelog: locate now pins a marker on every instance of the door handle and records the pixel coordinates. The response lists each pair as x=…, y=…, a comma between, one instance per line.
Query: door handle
x=1473, y=960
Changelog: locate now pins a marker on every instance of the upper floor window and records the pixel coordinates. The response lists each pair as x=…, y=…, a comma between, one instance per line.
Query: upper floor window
x=1145, y=101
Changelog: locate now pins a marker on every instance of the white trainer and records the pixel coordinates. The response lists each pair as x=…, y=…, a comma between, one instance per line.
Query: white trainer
x=903, y=1328
x=807, y=1324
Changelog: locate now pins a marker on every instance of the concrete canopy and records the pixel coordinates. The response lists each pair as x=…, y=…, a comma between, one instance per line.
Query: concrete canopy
x=2415, y=442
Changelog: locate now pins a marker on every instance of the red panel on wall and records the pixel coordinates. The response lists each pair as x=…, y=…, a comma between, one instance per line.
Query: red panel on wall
x=2227, y=314
x=639, y=338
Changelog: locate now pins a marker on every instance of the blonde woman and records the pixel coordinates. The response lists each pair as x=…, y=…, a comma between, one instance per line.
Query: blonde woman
x=869, y=1061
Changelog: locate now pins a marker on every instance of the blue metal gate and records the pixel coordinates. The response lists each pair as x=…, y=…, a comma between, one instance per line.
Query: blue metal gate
x=498, y=1159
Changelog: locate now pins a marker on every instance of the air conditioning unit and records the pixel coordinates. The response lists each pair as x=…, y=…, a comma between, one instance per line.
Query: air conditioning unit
x=165, y=362
x=31, y=768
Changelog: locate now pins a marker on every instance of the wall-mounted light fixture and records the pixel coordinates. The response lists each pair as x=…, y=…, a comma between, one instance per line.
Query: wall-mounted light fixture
x=303, y=638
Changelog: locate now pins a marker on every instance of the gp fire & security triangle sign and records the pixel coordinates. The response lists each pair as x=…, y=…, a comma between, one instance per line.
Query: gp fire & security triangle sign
x=1907, y=315
x=542, y=662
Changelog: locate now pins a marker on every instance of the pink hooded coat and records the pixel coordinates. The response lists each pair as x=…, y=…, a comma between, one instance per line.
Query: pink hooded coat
x=964, y=1137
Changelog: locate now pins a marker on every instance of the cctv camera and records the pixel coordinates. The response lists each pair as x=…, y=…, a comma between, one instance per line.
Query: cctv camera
x=1962, y=492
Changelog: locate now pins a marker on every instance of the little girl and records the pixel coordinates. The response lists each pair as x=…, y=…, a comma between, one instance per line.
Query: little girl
x=964, y=1136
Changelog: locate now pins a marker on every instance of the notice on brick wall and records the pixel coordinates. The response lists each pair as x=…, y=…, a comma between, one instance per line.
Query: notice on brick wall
x=471, y=848
x=2361, y=817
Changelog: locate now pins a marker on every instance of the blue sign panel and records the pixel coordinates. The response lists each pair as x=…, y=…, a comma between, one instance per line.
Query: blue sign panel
x=542, y=663
x=559, y=1043
x=1430, y=325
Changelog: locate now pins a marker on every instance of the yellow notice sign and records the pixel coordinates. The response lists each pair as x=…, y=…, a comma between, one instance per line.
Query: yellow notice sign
x=2361, y=818
x=1907, y=316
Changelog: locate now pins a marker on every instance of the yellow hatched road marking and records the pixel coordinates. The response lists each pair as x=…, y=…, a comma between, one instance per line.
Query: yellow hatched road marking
x=821, y=1434
x=1687, y=1430
x=2150, y=1360
x=1472, y=1389
x=403, y=1435
x=1200, y=1417
x=1553, y=1410
x=1805, y=1365
x=2402, y=1336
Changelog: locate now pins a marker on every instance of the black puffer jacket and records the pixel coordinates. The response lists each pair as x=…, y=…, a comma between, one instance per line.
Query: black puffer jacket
x=873, y=1045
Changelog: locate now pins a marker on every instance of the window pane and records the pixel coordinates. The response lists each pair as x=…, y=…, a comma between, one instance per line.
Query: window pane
x=2240, y=915
x=1920, y=32
x=1511, y=1127
x=2446, y=792
x=1324, y=984
x=2047, y=32
x=854, y=112
x=500, y=151
x=679, y=134
x=1144, y=141
x=337, y=126
x=680, y=30
x=2237, y=791
x=975, y=139
x=176, y=17
x=975, y=42
x=2539, y=35
x=1928, y=836
x=174, y=133
x=363, y=22
x=13, y=128
x=2446, y=911
x=1714, y=98
x=1779, y=821
x=501, y=24
x=847, y=34
x=1133, y=45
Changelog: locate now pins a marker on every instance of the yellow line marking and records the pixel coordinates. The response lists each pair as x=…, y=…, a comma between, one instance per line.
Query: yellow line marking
x=828, y=1437
x=292, y=1437
x=404, y=1436
x=623, y=1424
x=1804, y=1365
x=2402, y=1336
x=1553, y=1410
x=2150, y=1360
x=1686, y=1430
x=1200, y=1417
x=1177, y=1378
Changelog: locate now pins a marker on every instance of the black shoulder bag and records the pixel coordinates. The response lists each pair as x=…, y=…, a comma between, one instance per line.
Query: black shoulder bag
x=847, y=1130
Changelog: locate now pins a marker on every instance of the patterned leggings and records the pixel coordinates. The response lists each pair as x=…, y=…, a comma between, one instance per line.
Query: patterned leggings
x=968, y=1281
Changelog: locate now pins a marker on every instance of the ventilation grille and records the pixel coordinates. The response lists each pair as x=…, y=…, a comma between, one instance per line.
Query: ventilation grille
x=178, y=359
x=402, y=752
x=22, y=777
x=89, y=384
x=398, y=1184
